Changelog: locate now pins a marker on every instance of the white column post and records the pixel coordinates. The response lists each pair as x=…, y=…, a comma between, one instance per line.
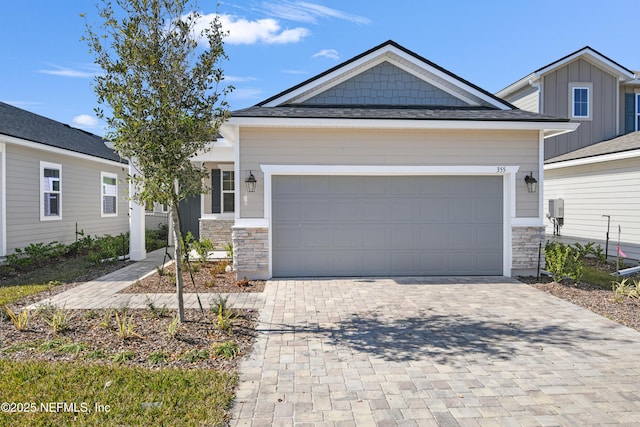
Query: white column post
x=137, y=248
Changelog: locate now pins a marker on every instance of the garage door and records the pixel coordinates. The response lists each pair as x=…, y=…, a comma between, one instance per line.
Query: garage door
x=386, y=225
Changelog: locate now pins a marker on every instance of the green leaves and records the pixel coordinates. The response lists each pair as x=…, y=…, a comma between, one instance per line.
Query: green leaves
x=161, y=87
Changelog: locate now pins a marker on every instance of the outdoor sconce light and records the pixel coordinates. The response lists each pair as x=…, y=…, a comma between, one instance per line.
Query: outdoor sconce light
x=532, y=183
x=251, y=183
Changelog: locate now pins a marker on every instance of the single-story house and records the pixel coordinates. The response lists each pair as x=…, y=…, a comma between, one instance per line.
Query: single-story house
x=386, y=164
x=56, y=180
x=600, y=189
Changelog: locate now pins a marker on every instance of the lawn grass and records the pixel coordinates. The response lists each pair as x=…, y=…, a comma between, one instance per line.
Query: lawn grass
x=11, y=294
x=113, y=395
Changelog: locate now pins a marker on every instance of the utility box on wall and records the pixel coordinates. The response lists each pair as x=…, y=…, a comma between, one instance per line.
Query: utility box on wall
x=556, y=208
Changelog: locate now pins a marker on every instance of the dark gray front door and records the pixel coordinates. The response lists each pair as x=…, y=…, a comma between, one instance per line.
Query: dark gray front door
x=387, y=225
x=190, y=216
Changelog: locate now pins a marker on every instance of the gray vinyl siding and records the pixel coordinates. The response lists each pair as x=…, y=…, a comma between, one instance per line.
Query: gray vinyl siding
x=590, y=191
x=387, y=147
x=527, y=99
x=81, y=199
x=603, y=123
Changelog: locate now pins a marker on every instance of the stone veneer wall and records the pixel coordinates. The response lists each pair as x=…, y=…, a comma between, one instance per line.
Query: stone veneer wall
x=251, y=252
x=216, y=230
x=525, y=245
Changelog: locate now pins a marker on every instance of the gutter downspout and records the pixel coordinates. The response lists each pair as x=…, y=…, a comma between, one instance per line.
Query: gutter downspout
x=535, y=82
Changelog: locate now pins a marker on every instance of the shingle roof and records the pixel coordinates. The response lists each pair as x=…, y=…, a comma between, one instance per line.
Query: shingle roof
x=393, y=113
x=25, y=125
x=628, y=142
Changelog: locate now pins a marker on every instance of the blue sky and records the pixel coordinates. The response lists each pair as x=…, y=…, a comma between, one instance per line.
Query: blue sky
x=276, y=44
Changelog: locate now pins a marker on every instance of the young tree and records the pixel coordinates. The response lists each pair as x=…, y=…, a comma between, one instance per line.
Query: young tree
x=162, y=87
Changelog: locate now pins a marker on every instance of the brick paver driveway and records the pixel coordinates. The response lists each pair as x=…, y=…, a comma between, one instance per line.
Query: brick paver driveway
x=448, y=352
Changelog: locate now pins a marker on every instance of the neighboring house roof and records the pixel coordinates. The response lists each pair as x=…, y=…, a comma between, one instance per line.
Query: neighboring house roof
x=22, y=124
x=587, y=53
x=622, y=144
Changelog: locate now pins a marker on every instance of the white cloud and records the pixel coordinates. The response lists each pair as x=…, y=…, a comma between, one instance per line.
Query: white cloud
x=246, y=93
x=295, y=72
x=85, y=121
x=301, y=11
x=21, y=104
x=57, y=70
x=238, y=79
x=327, y=53
x=244, y=31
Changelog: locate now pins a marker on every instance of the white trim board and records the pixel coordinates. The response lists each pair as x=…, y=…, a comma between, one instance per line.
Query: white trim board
x=39, y=146
x=550, y=128
x=594, y=159
x=509, y=188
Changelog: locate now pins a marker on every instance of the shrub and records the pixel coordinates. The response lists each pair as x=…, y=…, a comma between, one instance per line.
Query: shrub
x=228, y=247
x=173, y=327
x=20, y=320
x=56, y=318
x=563, y=261
x=227, y=349
x=195, y=355
x=125, y=326
x=626, y=288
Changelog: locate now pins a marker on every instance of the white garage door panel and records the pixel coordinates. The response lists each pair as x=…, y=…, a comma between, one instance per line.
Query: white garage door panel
x=386, y=225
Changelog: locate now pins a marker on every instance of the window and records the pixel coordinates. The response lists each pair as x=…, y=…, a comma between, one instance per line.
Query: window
x=109, y=185
x=580, y=102
x=228, y=192
x=50, y=191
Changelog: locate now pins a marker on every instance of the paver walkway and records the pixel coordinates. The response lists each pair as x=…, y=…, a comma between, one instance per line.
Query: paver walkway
x=103, y=292
x=427, y=352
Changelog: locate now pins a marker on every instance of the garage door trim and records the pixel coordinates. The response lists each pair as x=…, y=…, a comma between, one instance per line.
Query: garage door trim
x=508, y=172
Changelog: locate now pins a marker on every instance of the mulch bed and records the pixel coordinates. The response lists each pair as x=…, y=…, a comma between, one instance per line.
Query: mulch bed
x=96, y=342
x=207, y=277
x=191, y=347
x=624, y=310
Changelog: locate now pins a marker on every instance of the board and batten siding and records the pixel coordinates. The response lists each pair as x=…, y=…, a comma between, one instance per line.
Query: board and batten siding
x=590, y=191
x=261, y=146
x=81, y=199
x=603, y=123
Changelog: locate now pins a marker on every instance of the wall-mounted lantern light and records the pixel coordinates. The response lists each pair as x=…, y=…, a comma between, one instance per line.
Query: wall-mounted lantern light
x=251, y=182
x=532, y=183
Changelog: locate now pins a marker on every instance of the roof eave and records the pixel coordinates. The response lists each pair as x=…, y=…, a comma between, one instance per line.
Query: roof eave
x=597, y=158
x=550, y=128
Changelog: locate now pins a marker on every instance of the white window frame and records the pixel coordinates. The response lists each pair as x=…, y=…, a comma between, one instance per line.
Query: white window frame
x=104, y=175
x=223, y=191
x=572, y=93
x=42, y=192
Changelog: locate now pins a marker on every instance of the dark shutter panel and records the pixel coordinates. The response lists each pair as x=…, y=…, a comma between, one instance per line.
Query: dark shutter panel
x=629, y=112
x=215, y=191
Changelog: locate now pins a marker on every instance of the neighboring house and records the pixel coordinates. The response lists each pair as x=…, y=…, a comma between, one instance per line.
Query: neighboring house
x=600, y=187
x=594, y=170
x=54, y=180
x=585, y=87
x=386, y=164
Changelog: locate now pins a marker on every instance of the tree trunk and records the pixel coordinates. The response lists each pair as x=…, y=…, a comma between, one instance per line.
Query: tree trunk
x=177, y=244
